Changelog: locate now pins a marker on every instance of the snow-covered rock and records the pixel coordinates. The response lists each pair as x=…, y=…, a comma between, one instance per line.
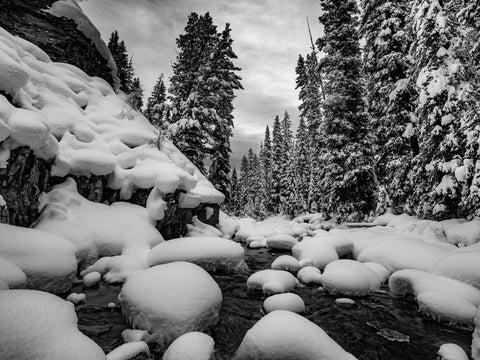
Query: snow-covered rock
x=227, y=225
x=91, y=279
x=76, y=298
x=197, y=228
x=315, y=252
x=41, y=326
x=467, y=233
x=272, y=281
x=170, y=300
x=129, y=351
x=309, y=275
x=451, y=352
x=281, y=242
x=47, y=260
x=349, y=277
x=129, y=335
x=287, y=301
x=191, y=346
x=286, y=262
x=208, y=252
x=284, y=335
x=12, y=274
x=121, y=233
x=463, y=266
x=84, y=127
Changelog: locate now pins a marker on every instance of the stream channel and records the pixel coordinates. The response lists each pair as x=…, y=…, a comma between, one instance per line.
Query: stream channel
x=374, y=328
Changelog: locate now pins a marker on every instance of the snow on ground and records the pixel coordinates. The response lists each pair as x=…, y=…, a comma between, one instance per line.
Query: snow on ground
x=462, y=265
x=38, y=325
x=170, y=300
x=272, y=281
x=286, y=335
x=191, y=346
x=120, y=234
x=211, y=253
x=47, y=260
x=281, y=242
x=84, y=127
x=286, y=301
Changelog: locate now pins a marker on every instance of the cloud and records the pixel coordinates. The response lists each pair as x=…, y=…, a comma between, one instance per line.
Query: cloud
x=268, y=36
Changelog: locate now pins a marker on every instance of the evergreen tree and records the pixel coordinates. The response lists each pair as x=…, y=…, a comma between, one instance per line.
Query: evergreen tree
x=277, y=164
x=136, y=94
x=266, y=163
x=288, y=191
x=302, y=164
x=243, y=187
x=124, y=65
x=390, y=93
x=156, y=103
x=349, y=181
x=232, y=201
x=440, y=79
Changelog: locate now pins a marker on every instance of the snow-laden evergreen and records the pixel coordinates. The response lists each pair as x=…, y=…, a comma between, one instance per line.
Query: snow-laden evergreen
x=156, y=104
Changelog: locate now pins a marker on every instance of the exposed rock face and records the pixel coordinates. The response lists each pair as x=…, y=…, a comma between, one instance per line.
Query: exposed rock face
x=58, y=37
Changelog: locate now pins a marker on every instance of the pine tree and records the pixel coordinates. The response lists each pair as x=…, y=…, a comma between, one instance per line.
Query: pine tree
x=156, y=103
x=124, y=65
x=349, y=181
x=390, y=93
x=288, y=191
x=266, y=163
x=243, y=187
x=232, y=201
x=302, y=164
x=136, y=94
x=277, y=164
x=440, y=79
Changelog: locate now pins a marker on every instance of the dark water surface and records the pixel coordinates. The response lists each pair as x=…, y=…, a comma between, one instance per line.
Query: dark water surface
x=354, y=328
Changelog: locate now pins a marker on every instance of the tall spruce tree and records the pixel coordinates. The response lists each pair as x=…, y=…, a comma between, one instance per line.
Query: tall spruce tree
x=136, y=94
x=156, y=103
x=349, y=182
x=302, y=164
x=278, y=161
x=266, y=162
x=124, y=64
x=390, y=94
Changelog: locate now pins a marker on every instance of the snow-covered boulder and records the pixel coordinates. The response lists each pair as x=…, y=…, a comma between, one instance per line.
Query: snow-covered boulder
x=129, y=351
x=476, y=337
x=404, y=252
x=47, y=260
x=197, y=228
x=170, y=300
x=467, y=233
x=281, y=242
x=286, y=262
x=287, y=301
x=227, y=225
x=350, y=278
x=121, y=233
x=315, y=252
x=309, y=275
x=41, y=326
x=463, y=266
x=272, y=281
x=451, y=352
x=191, y=346
x=210, y=253
x=284, y=335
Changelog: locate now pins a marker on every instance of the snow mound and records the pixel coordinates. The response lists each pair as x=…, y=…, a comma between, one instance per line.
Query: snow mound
x=42, y=326
x=269, y=227
x=170, y=300
x=272, y=281
x=121, y=234
x=447, y=307
x=345, y=302
x=315, y=251
x=463, y=266
x=227, y=225
x=128, y=351
x=286, y=262
x=467, y=233
x=476, y=337
x=200, y=229
x=91, y=279
x=76, y=298
x=12, y=275
x=129, y=335
x=283, y=335
x=350, y=278
x=81, y=124
x=451, y=352
x=287, y=302
x=281, y=242
x=208, y=252
x=47, y=260
x=191, y=346
x=404, y=252
x=309, y=275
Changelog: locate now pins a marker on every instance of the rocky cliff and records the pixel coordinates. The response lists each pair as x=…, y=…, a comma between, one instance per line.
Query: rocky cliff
x=25, y=175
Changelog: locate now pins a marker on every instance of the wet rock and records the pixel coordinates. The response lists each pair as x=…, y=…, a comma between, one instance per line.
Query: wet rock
x=393, y=335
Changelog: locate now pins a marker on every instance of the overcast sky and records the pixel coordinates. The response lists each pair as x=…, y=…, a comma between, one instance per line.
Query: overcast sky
x=268, y=37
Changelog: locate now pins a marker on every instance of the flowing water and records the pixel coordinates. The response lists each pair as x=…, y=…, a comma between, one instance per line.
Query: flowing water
x=378, y=326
